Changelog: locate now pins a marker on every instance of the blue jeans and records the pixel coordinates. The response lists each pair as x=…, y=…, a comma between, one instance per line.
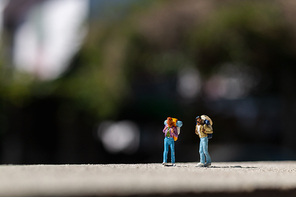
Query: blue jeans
x=168, y=141
x=203, y=151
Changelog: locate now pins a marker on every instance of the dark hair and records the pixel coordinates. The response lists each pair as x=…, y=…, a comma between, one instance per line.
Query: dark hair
x=202, y=121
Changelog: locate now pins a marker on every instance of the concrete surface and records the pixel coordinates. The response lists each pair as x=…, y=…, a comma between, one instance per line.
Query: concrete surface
x=221, y=179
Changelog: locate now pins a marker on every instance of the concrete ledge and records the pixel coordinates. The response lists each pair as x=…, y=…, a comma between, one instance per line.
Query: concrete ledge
x=221, y=179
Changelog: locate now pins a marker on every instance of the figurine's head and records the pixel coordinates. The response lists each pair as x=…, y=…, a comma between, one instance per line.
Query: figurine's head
x=170, y=122
x=199, y=121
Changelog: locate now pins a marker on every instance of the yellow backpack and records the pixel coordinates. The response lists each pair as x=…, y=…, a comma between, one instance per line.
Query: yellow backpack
x=178, y=128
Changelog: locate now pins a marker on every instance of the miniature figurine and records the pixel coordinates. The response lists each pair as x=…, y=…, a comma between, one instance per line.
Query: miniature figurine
x=204, y=130
x=171, y=132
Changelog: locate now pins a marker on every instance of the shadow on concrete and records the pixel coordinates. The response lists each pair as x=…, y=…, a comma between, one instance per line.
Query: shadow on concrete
x=230, y=167
x=185, y=166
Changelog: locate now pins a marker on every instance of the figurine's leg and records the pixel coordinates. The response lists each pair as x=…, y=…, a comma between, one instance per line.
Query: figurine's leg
x=206, y=152
x=201, y=151
x=172, y=144
x=166, y=149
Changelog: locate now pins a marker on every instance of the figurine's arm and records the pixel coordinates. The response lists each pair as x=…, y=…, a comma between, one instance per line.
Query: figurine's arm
x=207, y=129
x=196, y=132
x=174, y=131
x=165, y=128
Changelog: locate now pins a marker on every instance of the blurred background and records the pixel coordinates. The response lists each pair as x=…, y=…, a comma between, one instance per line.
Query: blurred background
x=92, y=81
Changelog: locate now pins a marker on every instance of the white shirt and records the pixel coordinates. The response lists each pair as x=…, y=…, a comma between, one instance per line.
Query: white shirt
x=198, y=130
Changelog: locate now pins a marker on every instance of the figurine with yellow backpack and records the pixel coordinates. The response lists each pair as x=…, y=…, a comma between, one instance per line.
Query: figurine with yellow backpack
x=171, y=132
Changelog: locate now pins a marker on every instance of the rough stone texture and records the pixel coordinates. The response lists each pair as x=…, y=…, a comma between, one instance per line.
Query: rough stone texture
x=221, y=179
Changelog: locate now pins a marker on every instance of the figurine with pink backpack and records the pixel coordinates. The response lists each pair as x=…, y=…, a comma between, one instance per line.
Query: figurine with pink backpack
x=171, y=132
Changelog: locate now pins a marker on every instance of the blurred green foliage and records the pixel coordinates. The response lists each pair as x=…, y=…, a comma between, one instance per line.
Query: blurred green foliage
x=115, y=52
x=244, y=32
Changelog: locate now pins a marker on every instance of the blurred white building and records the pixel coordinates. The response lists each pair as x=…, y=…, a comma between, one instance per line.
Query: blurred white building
x=45, y=34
